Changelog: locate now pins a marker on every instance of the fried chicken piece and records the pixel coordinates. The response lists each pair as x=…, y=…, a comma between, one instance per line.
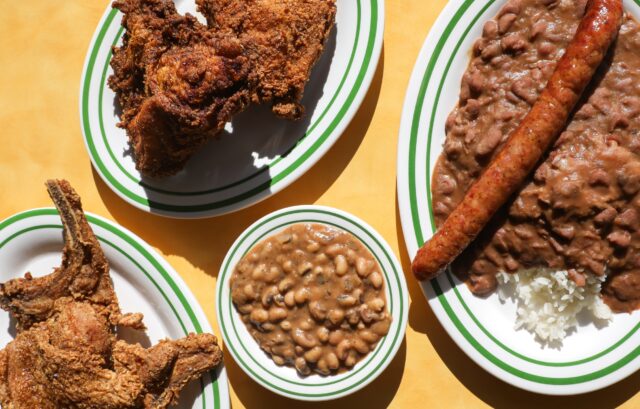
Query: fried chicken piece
x=83, y=275
x=283, y=38
x=177, y=83
x=66, y=354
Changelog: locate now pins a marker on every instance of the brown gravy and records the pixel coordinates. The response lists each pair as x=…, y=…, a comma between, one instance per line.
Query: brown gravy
x=580, y=211
x=313, y=297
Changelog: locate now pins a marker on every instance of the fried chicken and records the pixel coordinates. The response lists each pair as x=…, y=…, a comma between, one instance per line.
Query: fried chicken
x=66, y=354
x=283, y=38
x=177, y=83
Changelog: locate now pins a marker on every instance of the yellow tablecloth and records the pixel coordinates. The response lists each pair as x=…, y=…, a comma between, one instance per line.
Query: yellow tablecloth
x=42, y=49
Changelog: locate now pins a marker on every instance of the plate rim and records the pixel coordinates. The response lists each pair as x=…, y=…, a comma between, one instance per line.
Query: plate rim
x=300, y=163
x=446, y=21
x=32, y=218
x=297, y=214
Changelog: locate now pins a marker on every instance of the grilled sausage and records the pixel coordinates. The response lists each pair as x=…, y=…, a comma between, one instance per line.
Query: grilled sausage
x=528, y=143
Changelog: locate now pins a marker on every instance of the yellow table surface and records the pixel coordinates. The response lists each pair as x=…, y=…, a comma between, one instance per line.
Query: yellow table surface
x=42, y=49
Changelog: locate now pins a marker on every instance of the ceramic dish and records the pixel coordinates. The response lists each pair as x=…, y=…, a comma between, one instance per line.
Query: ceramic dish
x=144, y=282
x=590, y=358
x=226, y=175
x=285, y=380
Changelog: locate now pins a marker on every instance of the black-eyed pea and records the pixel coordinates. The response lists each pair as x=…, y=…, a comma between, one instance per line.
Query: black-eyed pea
x=332, y=361
x=360, y=325
x=303, y=339
x=313, y=355
x=375, y=279
x=259, y=272
x=357, y=293
x=259, y=315
x=278, y=300
x=273, y=274
x=352, y=256
x=249, y=292
x=301, y=295
x=245, y=308
x=365, y=313
x=363, y=266
x=277, y=314
x=289, y=300
x=323, y=334
x=307, y=324
x=341, y=265
x=335, y=337
x=381, y=327
x=333, y=250
x=299, y=350
x=285, y=285
x=322, y=367
x=301, y=366
x=352, y=316
x=336, y=316
x=278, y=360
x=304, y=268
x=285, y=325
x=284, y=237
x=346, y=300
x=360, y=346
x=318, y=310
x=267, y=327
x=318, y=270
x=313, y=246
x=267, y=295
x=368, y=336
x=321, y=258
x=351, y=360
x=288, y=267
x=377, y=304
x=289, y=352
x=342, y=349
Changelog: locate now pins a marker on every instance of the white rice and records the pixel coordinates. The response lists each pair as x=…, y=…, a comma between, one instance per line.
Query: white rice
x=548, y=301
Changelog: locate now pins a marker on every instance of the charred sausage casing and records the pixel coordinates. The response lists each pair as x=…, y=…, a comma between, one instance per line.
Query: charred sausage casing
x=528, y=143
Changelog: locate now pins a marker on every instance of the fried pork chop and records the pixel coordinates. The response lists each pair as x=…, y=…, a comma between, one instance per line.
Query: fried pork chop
x=283, y=38
x=177, y=83
x=66, y=354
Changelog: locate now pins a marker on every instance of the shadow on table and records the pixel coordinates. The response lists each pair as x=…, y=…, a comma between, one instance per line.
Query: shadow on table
x=491, y=390
x=378, y=394
x=205, y=242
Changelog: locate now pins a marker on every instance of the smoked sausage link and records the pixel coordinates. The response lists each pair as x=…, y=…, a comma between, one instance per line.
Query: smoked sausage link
x=528, y=143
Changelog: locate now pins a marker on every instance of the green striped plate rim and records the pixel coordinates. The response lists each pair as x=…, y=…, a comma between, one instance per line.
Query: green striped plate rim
x=442, y=50
x=320, y=135
x=284, y=380
x=188, y=313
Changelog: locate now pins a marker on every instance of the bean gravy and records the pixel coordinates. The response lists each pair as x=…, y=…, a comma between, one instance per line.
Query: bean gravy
x=313, y=297
x=580, y=211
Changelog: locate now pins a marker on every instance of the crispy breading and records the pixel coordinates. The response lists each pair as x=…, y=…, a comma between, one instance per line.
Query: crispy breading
x=177, y=83
x=66, y=354
x=283, y=38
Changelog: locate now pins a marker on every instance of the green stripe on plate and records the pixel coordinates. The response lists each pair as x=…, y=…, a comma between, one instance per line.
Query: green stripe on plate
x=258, y=190
x=383, y=344
x=138, y=247
x=415, y=214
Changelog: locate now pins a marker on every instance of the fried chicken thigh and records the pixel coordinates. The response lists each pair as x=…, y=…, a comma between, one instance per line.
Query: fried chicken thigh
x=177, y=83
x=283, y=38
x=66, y=354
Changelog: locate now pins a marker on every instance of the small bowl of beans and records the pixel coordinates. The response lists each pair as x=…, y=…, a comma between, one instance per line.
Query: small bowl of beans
x=312, y=303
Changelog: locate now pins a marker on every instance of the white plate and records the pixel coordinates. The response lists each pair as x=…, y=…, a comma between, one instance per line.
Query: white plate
x=265, y=154
x=285, y=380
x=590, y=358
x=144, y=282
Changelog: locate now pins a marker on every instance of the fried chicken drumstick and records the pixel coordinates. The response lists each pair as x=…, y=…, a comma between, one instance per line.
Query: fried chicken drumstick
x=283, y=39
x=177, y=83
x=66, y=354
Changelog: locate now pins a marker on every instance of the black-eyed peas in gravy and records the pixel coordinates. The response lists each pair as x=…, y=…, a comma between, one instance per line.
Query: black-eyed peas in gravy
x=313, y=297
